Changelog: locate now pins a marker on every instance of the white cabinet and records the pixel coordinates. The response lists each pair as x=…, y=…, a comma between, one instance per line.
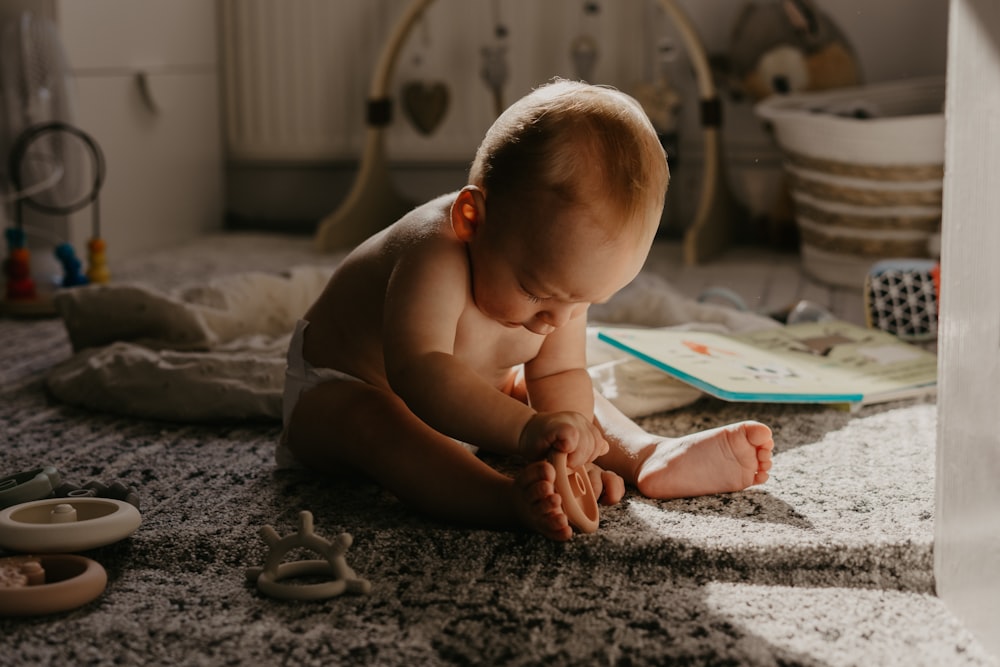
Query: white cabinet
x=147, y=89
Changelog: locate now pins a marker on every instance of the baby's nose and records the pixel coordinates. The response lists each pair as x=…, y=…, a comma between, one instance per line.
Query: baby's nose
x=556, y=316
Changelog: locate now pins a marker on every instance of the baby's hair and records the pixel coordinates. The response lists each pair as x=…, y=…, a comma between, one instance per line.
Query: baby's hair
x=564, y=137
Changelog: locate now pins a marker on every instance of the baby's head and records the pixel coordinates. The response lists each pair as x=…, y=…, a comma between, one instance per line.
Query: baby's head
x=573, y=144
x=563, y=202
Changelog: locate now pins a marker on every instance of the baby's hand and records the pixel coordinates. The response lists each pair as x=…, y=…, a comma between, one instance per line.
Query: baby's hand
x=568, y=432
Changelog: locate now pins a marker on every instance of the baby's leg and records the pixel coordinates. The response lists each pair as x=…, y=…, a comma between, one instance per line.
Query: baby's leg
x=719, y=460
x=340, y=426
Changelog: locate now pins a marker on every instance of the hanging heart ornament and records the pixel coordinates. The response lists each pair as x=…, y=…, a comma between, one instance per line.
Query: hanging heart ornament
x=425, y=104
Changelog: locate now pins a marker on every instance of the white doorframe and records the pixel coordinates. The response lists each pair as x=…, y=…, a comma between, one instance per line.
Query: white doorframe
x=967, y=522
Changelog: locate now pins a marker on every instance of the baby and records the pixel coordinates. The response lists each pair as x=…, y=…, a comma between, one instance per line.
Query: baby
x=465, y=322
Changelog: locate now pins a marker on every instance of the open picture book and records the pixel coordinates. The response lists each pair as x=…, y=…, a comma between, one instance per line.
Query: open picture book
x=812, y=362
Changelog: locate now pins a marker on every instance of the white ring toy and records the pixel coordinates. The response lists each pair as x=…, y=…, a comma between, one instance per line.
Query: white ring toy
x=57, y=525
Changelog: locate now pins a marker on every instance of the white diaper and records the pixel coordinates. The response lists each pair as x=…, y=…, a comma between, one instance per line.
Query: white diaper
x=300, y=375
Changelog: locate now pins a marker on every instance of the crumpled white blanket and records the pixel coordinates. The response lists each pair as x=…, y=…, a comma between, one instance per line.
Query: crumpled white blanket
x=215, y=351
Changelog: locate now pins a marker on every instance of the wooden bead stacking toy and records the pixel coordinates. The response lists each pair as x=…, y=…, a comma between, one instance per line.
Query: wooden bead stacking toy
x=97, y=270
x=40, y=152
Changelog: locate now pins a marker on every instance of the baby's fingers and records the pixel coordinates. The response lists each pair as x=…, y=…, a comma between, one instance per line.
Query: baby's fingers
x=601, y=446
x=592, y=445
x=564, y=438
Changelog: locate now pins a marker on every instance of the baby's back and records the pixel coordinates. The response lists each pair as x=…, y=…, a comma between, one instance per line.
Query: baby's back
x=345, y=322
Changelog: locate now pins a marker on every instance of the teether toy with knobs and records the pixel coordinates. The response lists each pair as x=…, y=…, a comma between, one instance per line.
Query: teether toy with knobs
x=29, y=485
x=269, y=578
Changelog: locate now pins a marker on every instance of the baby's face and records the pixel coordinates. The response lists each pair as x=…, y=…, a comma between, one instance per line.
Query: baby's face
x=539, y=273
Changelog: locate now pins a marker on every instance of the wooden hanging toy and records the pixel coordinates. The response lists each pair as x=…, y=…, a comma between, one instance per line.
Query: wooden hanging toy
x=373, y=202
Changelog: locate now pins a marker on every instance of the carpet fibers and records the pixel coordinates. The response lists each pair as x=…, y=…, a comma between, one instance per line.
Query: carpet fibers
x=829, y=563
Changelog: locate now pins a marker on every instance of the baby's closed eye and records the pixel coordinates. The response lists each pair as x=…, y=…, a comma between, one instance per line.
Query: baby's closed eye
x=533, y=298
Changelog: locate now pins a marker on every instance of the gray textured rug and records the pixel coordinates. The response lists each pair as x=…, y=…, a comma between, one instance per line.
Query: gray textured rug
x=829, y=563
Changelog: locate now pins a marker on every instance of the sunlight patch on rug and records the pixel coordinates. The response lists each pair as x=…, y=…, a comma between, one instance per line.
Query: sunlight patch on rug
x=846, y=626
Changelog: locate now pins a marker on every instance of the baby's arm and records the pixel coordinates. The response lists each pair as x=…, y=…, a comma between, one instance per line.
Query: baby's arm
x=557, y=381
x=557, y=377
x=426, y=296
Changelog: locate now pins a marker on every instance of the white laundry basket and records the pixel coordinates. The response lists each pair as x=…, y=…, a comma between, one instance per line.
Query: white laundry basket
x=865, y=168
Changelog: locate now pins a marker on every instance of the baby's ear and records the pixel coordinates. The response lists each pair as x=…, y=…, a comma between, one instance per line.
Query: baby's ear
x=468, y=212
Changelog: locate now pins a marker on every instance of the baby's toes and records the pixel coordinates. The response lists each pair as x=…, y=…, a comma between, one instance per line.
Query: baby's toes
x=760, y=436
x=764, y=461
x=536, y=480
x=539, y=492
x=612, y=488
x=553, y=523
x=550, y=503
x=538, y=471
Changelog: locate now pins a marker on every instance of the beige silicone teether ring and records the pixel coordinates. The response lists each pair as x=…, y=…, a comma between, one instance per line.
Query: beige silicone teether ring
x=58, y=525
x=578, y=499
x=71, y=581
x=271, y=584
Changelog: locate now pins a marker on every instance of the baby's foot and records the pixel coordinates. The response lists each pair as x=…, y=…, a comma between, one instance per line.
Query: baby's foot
x=720, y=460
x=609, y=487
x=538, y=505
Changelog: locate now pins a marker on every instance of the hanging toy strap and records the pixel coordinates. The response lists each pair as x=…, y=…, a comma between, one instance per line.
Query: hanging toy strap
x=584, y=51
x=494, y=70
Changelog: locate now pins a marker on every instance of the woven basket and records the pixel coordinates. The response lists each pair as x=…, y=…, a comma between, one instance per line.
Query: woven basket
x=865, y=168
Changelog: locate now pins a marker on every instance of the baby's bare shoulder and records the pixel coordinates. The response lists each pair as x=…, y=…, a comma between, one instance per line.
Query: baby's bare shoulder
x=424, y=233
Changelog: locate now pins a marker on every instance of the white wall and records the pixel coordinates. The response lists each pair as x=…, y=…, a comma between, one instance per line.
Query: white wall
x=148, y=91
x=146, y=88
